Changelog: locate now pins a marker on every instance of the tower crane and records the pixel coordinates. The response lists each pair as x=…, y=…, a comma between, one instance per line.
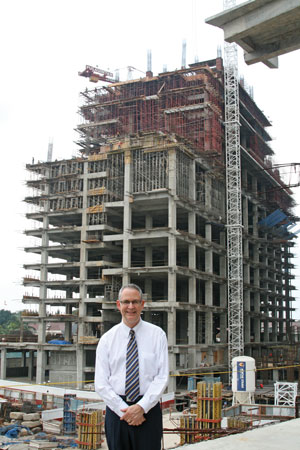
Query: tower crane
x=233, y=198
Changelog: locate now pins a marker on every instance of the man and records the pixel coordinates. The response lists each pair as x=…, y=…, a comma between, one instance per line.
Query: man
x=131, y=375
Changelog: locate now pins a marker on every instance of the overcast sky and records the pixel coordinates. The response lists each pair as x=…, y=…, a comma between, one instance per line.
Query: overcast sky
x=44, y=45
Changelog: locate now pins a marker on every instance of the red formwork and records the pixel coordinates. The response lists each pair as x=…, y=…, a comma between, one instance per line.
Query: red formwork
x=188, y=103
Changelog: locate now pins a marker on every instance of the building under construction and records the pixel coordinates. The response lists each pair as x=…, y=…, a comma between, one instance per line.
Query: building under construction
x=146, y=203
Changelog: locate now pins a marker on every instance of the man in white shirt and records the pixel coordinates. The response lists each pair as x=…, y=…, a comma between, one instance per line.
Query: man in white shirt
x=132, y=424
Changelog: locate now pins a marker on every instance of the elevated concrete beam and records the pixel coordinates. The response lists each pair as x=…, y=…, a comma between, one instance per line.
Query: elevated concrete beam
x=273, y=50
x=265, y=29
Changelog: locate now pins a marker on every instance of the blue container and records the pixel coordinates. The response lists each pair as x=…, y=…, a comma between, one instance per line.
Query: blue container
x=191, y=383
x=69, y=421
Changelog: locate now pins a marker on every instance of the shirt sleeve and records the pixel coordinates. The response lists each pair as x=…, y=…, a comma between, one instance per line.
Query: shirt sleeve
x=102, y=384
x=160, y=381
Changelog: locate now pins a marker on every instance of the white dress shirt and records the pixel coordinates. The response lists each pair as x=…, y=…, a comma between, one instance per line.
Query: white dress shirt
x=110, y=371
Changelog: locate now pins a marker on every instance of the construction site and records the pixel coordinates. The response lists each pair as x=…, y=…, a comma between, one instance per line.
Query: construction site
x=145, y=202
x=175, y=188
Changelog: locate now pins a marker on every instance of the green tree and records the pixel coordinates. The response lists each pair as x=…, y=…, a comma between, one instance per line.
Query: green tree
x=9, y=322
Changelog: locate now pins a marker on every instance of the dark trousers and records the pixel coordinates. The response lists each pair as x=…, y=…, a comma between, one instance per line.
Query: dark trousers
x=121, y=436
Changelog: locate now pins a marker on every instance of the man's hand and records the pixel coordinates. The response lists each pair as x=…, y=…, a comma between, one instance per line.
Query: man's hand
x=134, y=415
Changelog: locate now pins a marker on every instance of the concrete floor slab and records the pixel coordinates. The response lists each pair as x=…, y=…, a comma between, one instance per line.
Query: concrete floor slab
x=285, y=435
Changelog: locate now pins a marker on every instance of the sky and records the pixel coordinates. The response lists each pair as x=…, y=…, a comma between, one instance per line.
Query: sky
x=45, y=43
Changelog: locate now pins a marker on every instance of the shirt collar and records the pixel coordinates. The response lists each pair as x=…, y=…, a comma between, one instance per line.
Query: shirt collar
x=127, y=329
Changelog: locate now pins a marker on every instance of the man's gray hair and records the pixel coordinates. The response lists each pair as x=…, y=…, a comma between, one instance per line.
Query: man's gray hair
x=130, y=286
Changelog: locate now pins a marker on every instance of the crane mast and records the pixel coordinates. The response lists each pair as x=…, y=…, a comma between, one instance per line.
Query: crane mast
x=234, y=202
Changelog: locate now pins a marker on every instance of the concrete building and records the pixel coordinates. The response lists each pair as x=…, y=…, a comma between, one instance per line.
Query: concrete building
x=265, y=29
x=145, y=203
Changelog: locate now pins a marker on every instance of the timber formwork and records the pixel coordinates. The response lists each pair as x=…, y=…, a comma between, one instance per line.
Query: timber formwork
x=145, y=203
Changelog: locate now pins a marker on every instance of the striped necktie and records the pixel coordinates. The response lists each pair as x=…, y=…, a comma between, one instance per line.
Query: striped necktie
x=132, y=385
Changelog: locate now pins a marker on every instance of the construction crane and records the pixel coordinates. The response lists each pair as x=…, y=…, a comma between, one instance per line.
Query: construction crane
x=234, y=202
x=95, y=74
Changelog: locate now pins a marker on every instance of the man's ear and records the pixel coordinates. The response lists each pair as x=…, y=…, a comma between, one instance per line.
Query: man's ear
x=119, y=305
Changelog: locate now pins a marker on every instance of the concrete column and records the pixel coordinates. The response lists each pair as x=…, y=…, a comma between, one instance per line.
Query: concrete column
x=30, y=364
x=3, y=364
x=41, y=331
x=247, y=330
x=256, y=294
x=68, y=325
x=172, y=267
x=192, y=259
x=127, y=219
x=207, y=191
x=192, y=338
x=274, y=332
x=209, y=293
x=192, y=279
x=208, y=328
x=254, y=185
x=245, y=213
x=148, y=255
x=257, y=330
x=255, y=220
x=223, y=295
x=172, y=227
x=223, y=268
x=223, y=328
x=148, y=263
x=40, y=366
x=256, y=302
x=246, y=275
x=172, y=342
x=266, y=331
x=80, y=363
x=82, y=306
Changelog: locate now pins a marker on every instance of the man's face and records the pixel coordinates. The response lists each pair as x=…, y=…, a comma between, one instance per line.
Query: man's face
x=131, y=312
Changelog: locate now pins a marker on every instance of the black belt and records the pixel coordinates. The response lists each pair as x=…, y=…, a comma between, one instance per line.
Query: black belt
x=123, y=397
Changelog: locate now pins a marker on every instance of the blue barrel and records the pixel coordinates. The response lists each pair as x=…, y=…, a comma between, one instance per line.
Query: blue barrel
x=191, y=383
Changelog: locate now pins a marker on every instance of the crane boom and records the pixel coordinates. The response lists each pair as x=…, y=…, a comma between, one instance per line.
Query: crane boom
x=95, y=74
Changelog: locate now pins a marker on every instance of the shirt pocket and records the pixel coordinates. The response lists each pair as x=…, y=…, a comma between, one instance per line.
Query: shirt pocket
x=148, y=365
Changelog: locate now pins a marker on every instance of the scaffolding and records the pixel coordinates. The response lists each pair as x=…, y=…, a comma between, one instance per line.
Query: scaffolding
x=186, y=103
x=285, y=393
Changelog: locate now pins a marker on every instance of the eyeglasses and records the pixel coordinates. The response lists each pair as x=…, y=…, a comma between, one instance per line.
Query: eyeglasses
x=127, y=302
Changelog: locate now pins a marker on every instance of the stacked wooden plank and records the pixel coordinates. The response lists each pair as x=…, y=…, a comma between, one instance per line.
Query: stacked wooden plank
x=39, y=445
x=89, y=429
x=52, y=426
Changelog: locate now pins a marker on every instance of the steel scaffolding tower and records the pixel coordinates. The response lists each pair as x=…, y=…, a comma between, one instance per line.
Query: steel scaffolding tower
x=234, y=204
